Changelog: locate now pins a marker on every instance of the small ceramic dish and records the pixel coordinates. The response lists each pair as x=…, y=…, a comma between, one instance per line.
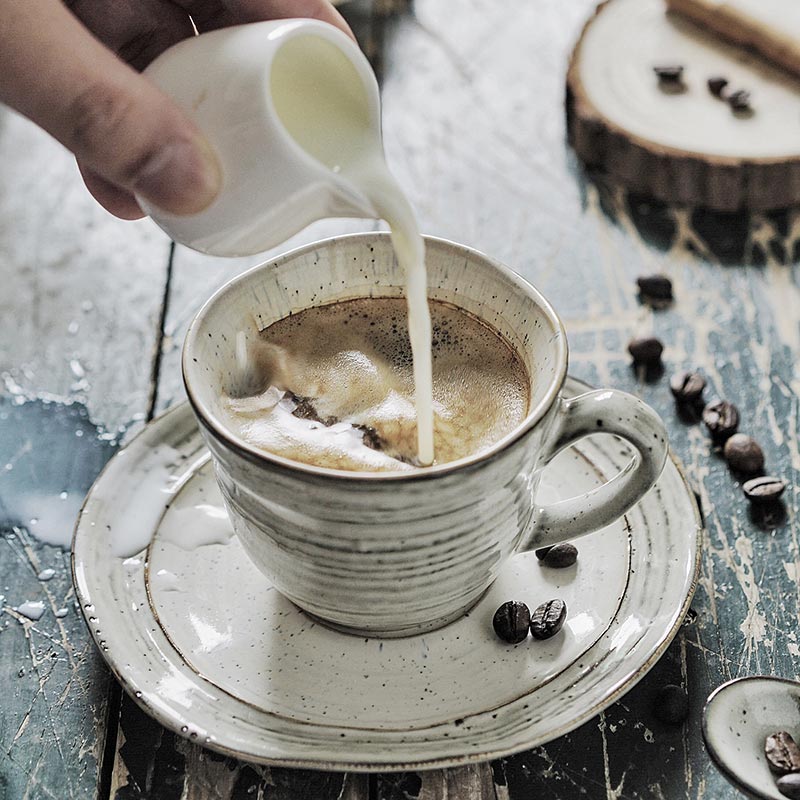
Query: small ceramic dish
x=737, y=719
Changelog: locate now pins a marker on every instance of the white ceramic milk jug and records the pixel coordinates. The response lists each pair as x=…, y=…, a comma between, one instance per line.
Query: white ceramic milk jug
x=289, y=106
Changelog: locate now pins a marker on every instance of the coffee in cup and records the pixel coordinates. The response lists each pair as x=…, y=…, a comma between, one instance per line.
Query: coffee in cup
x=333, y=386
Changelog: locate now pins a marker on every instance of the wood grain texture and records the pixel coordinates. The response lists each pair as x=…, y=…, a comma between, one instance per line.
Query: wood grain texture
x=471, y=782
x=156, y=764
x=490, y=168
x=82, y=290
x=81, y=293
x=475, y=131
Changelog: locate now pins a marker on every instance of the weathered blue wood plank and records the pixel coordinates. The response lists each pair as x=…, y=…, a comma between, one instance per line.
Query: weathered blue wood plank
x=155, y=764
x=78, y=310
x=474, y=122
x=474, y=130
x=734, y=324
x=54, y=711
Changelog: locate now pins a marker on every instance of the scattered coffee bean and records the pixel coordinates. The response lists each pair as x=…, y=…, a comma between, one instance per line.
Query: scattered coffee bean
x=511, y=621
x=671, y=704
x=646, y=351
x=687, y=387
x=655, y=287
x=782, y=752
x=744, y=454
x=671, y=73
x=716, y=85
x=543, y=551
x=739, y=100
x=764, y=490
x=722, y=420
x=548, y=619
x=789, y=785
x=560, y=556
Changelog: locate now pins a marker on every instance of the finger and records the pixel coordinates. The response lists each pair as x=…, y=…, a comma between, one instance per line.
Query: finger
x=212, y=14
x=115, y=121
x=117, y=201
x=138, y=30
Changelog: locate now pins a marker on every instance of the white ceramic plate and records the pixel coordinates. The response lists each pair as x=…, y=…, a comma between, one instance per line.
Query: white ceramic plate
x=203, y=642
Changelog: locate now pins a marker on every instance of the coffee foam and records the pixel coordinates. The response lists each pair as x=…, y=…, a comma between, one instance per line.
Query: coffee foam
x=322, y=385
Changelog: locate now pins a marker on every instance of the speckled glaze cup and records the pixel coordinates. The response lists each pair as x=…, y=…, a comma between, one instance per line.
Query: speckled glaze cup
x=395, y=554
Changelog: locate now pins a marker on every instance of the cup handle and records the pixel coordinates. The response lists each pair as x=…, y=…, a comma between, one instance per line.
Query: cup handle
x=601, y=411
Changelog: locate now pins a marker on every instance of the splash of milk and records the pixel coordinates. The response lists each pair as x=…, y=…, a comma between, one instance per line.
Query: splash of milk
x=200, y=525
x=31, y=609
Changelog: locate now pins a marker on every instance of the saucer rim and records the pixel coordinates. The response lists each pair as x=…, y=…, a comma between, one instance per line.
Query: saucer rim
x=173, y=724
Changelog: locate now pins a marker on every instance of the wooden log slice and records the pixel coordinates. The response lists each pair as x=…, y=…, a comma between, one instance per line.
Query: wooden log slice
x=681, y=144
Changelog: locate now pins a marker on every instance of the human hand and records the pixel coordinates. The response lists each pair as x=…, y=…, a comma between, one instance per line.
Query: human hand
x=72, y=68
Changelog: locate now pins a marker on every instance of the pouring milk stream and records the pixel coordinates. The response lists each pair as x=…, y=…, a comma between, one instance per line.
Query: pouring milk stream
x=292, y=110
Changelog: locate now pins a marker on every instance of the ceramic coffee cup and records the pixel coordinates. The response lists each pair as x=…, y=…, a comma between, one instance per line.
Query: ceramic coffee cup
x=394, y=554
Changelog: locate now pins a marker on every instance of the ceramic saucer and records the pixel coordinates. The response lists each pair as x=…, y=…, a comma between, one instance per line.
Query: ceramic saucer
x=204, y=643
x=738, y=718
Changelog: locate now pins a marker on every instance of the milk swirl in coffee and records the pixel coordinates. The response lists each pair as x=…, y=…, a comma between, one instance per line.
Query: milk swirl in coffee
x=333, y=386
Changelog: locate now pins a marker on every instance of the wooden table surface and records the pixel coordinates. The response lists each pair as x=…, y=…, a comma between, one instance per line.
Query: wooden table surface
x=93, y=314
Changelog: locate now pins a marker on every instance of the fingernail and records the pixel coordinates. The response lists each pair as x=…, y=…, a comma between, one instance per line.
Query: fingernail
x=183, y=178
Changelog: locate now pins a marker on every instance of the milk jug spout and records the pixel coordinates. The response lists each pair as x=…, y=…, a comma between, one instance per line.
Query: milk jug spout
x=348, y=201
x=292, y=111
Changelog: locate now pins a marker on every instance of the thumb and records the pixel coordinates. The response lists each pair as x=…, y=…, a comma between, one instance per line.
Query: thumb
x=120, y=126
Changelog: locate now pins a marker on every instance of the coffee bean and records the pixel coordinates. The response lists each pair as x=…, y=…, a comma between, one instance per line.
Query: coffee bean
x=655, y=287
x=543, y=551
x=717, y=85
x=646, y=351
x=671, y=704
x=672, y=73
x=782, y=752
x=743, y=454
x=739, y=100
x=789, y=785
x=764, y=490
x=560, y=556
x=511, y=621
x=722, y=420
x=687, y=387
x=548, y=619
